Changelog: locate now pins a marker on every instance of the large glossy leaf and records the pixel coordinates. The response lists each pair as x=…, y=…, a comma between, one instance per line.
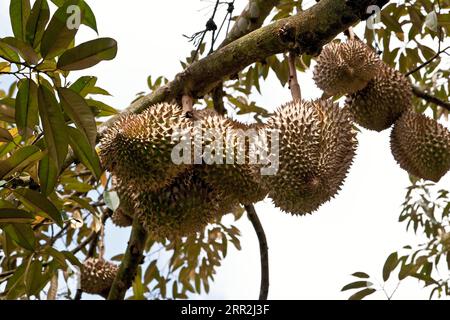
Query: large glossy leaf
x=19, y=11
x=101, y=109
x=11, y=215
x=34, y=279
x=88, y=18
x=26, y=105
x=78, y=110
x=22, y=234
x=23, y=49
x=55, y=132
x=84, y=151
x=88, y=54
x=40, y=203
x=40, y=14
x=59, y=34
x=48, y=175
x=20, y=160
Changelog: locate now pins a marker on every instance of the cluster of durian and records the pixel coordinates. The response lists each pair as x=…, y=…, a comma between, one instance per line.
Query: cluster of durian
x=97, y=276
x=174, y=200
x=379, y=97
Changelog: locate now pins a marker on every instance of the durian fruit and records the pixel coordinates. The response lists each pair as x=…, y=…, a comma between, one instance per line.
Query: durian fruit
x=344, y=68
x=137, y=148
x=421, y=146
x=121, y=218
x=235, y=175
x=97, y=276
x=183, y=208
x=382, y=101
x=317, y=144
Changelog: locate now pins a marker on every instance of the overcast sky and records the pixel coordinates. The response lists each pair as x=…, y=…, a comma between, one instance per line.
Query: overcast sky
x=310, y=257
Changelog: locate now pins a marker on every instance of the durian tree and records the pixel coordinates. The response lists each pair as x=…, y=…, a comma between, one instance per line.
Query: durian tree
x=69, y=162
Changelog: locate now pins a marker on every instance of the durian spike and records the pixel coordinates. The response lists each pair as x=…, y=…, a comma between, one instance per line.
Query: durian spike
x=351, y=33
x=293, y=80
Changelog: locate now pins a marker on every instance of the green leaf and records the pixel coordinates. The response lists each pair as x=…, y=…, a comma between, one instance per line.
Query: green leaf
x=48, y=175
x=389, y=265
x=40, y=14
x=55, y=132
x=78, y=110
x=7, y=53
x=84, y=85
x=88, y=54
x=356, y=285
x=5, y=135
x=23, y=49
x=361, y=275
x=20, y=160
x=362, y=294
x=22, y=235
x=19, y=11
x=88, y=18
x=39, y=203
x=16, y=284
x=111, y=199
x=34, y=280
x=84, y=151
x=11, y=215
x=71, y=258
x=59, y=256
x=58, y=35
x=26, y=106
x=102, y=108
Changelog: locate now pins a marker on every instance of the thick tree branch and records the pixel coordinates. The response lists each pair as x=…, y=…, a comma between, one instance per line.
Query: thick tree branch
x=430, y=98
x=130, y=262
x=305, y=32
x=263, y=250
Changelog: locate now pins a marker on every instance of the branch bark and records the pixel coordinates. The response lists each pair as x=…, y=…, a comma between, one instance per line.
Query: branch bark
x=430, y=98
x=132, y=259
x=263, y=250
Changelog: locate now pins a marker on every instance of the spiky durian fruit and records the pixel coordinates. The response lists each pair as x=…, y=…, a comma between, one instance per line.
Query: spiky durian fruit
x=97, y=276
x=382, y=101
x=344, y=68
x=121, y=218
x=186, y=206
x=421, y=146
x=137, y=148
x=317, y=144
x=230, y=170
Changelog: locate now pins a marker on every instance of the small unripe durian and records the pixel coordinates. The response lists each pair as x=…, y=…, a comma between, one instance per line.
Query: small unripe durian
x=382, y=101
x=137, y=148
x=421, y=146
x=317, y=145
x=344, y=68
x=97, y=276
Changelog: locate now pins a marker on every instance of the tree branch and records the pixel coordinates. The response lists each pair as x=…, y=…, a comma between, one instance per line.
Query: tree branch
x=305, y=32
x=430, y=98
x=132, y=259
x=263, y=250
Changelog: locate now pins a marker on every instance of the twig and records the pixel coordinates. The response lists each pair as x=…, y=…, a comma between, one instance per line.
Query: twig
x=293, y=80
x=430, y=98
x=427, y=62
x=263, y=249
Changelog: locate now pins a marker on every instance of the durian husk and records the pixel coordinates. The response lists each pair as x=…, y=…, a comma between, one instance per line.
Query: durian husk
x=121, y=218
x=240, y=179
x=317, y=143
x=382, y=101
x=344, y=68
x=183, y=208
x=97, y=276
x=137, y=148
x=421, y=146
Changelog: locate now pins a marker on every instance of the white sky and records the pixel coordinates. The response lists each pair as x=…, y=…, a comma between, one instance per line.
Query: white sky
x=310, y=257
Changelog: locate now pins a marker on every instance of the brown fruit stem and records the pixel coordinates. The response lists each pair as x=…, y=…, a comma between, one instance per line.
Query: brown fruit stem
x=293, y=80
